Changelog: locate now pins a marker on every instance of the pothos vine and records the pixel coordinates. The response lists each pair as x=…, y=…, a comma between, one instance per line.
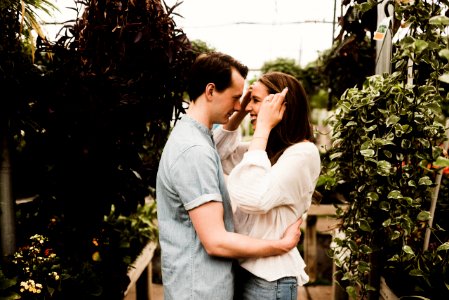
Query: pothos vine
x=386, y=139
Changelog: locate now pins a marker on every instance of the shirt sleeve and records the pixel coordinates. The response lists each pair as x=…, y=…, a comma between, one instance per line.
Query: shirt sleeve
x=230, y=147
x=257, y=187
x=196, y=173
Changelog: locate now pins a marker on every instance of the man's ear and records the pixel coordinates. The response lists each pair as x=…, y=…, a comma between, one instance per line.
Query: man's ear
x=210, y=88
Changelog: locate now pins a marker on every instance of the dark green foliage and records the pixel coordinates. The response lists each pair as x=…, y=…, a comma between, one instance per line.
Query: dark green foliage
x=353, y=55
x=88, y=124
x=102, y=112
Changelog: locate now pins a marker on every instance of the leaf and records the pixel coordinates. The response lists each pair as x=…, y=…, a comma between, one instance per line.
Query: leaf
x=384, y=205
x=423, y=216
x=387, y=222
x=444, y=78
x=425, y=181
x=443, y=247
x=424, y=142
x=383, y=168
x=351, y=123
x=371, y=128
x=363, y=267
x=439, y=20
x=395, y=194
x=442, y=162
x=409, y=200
x=382, y=142
x=420, y=45
x=368, y=152
x=391, y=120
x=416, y=272
x=396, y=234
x=405, y=143
x=352, y=245
x=444, y=53
x=373, y=196
x=366, y=249
x=364, y=225
x=407, y=249
x=411, y=183
x=335, y=155
x=388, y=154
x=394, y=258
x=351, y=292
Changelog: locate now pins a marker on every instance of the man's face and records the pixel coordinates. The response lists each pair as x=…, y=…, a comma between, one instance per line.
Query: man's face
x=227, y=101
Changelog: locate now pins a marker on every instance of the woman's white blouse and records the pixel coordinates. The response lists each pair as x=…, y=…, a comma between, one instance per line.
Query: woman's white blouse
x=267, y=199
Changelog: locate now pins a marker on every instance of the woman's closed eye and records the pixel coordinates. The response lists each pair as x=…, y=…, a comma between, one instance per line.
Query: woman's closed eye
x=255, y=100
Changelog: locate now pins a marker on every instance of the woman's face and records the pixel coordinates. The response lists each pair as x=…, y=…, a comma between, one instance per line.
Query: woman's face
x=259, y=92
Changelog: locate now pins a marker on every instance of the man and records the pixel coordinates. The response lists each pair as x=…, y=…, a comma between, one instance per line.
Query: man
x=194, y=211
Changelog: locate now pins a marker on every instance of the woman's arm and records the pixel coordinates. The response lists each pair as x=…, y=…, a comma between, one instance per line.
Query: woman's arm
x=236, y=119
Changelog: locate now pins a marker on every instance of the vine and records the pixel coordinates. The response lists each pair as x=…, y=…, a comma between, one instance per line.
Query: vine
x=387, y=136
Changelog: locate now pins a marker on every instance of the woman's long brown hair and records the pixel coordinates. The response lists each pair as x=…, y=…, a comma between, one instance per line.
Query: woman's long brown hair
x=295, y=125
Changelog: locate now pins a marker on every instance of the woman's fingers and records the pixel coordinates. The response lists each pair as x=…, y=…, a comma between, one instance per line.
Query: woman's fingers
x=280, y=97
x=272, y=110
x=277, y=101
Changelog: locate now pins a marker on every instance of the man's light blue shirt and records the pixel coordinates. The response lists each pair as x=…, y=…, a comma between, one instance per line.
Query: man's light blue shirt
x=190, y=174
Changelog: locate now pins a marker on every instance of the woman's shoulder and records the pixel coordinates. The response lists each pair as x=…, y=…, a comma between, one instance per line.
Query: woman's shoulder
x=306, y=146
x=305, y=151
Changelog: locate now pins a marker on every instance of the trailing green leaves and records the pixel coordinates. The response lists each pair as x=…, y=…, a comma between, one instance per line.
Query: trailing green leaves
x=387, y=136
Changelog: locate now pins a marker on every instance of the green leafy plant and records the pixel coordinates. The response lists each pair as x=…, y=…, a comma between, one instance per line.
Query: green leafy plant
x=386, y=137
x=39, y=269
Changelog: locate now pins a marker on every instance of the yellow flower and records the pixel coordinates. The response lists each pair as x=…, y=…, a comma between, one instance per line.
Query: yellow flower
x=96, y=256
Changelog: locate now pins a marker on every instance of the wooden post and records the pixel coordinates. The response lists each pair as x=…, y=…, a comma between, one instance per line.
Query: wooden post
x=7, y=213
x=385, y=293
x=435, y=192
x=140, y=275
x=144, y=284
x=310, y=247
x=310, y=240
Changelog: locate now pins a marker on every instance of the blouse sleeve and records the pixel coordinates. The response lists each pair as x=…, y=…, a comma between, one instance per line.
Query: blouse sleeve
x=256, y=187
x=230, y=147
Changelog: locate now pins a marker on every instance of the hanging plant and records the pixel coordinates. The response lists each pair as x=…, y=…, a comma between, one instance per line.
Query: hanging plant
x=386, y=137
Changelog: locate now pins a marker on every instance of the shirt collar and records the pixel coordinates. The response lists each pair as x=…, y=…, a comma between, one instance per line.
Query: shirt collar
x=201, y=127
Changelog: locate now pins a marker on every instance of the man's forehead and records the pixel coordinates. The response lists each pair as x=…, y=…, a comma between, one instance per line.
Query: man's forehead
x=237, y=79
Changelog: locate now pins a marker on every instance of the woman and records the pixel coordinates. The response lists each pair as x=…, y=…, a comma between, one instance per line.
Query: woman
x=271, y=180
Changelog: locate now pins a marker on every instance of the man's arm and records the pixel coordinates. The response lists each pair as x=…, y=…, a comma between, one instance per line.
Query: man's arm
x=207, y=220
